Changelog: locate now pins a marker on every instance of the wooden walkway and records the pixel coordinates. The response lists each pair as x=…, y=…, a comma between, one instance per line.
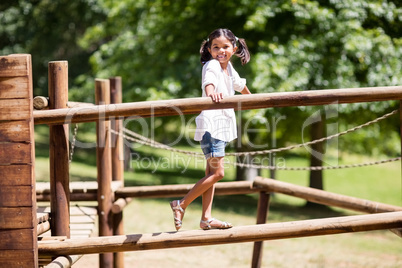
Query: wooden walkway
x=82, y=225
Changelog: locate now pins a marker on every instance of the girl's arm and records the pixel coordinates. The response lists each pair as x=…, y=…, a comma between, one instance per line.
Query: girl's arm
x=210, y=92
x=245, y=90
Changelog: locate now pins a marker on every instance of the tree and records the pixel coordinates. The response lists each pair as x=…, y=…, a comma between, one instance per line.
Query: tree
x=153, y=46
x=49, y=30
x=307, y=45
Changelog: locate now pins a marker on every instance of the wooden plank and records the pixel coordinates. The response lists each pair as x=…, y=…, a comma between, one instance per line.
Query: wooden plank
x=323, y=197
x=83, y=226
x=16, y=218
x=14, y=88
x=16, y=175
x=238, y=102
x=16, y=239
x=90, y=211
x=11, y=196
x=15, y=109
x=64, y=261
x=15, y=65
x=241, y=234
x=21, y=153
x=41, y=217
x=82, y=219
x=14, y=131
x=74, y=211
x=17, y=258
x=175, y=190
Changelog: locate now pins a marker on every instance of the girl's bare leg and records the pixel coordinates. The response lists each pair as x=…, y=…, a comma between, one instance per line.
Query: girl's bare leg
x=216, y=173
x=207, y=198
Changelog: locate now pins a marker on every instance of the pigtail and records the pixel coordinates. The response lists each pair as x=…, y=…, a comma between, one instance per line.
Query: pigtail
x=242, y=51
x=205, y=55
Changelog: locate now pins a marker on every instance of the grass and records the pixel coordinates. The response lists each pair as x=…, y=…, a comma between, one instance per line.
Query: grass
x=380, y=183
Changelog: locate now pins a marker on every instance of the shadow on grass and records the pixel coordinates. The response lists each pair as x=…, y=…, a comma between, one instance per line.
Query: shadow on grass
x=278, y=211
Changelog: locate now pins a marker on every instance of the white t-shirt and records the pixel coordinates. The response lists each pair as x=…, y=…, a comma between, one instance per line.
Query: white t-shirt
x=220, y=123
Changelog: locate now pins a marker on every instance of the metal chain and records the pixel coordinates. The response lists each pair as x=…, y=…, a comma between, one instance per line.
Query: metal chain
x=73, y=143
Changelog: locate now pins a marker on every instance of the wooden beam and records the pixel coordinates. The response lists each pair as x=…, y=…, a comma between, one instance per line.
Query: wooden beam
x=324, y=197
x=175, y=190
x=42, y=103
x=135, y=242
x=43, y=227
x=64, y=261
x=119, y=205
x=238, y=102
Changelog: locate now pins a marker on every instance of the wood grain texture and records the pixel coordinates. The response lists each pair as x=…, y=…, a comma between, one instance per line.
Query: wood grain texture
x=18, y=258
x=15, y=109
x=12, y=196
x=15, y=153
x=16, y=218
x=13, y=88
x=15, y=65
x=241, y=234
x=179, y=107
x=16, y=175
x=16, y=239
x=14, y=131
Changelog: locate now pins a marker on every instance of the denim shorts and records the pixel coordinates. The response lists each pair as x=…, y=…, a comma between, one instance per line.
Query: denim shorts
x=212, y=147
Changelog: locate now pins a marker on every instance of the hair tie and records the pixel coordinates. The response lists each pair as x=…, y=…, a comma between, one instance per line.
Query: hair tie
x=208, y=39
x=237, y=39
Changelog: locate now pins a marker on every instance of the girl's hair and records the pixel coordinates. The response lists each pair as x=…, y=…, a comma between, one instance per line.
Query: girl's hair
x=241, y=52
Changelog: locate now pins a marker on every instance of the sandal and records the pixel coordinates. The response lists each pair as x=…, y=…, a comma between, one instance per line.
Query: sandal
x=177, y=221
x=224, y=225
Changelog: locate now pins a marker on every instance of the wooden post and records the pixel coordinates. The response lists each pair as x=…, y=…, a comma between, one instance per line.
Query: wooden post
x=18, y=220
x=262, y=213
x=400, y=127
x=104, y=167
x=117, y=161
x=59, y=152
x=117, y=125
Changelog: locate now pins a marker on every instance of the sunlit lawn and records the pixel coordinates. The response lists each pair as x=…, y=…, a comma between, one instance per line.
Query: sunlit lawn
x=380, y=183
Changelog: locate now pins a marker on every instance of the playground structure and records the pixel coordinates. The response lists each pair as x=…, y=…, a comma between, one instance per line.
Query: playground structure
x=19, y=223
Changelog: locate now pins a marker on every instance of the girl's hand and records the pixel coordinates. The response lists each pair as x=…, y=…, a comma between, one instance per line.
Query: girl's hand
x=216, y=97
x=210, y=91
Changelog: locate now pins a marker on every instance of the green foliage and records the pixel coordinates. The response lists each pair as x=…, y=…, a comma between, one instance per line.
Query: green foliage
x=306, y=45
x=49, y=30
x=153, y=46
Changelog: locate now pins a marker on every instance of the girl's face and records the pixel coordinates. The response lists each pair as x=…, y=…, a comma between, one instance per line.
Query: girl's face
x=222, y=50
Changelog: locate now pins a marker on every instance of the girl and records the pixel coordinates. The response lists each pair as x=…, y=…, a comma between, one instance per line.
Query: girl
x=215, y=128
